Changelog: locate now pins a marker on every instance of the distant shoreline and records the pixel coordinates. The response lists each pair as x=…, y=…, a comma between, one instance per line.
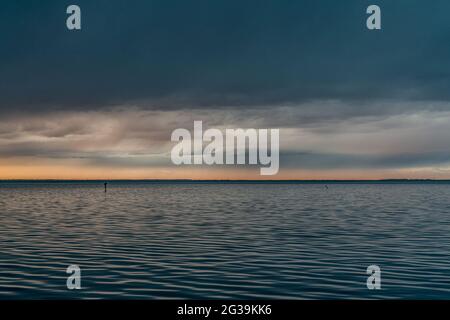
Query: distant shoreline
x=192, y=181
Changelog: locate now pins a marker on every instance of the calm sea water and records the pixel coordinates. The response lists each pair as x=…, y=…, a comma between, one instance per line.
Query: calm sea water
x=162, y=240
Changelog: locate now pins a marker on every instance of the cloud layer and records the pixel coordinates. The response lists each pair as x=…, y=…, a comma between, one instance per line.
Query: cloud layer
x=182, y=54
x=137, y=139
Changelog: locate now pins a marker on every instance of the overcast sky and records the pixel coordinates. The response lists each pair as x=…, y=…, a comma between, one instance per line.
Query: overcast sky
x=102, y=102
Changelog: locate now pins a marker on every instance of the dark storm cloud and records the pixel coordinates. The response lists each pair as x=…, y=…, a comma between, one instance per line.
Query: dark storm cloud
x=173, y=54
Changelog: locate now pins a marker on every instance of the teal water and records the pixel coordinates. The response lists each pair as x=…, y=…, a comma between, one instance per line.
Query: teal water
x=209, y=241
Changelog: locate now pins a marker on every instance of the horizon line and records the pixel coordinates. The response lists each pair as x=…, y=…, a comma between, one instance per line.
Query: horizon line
x=221, y=180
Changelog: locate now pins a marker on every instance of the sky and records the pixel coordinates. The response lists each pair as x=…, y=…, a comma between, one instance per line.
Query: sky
x=101, y=103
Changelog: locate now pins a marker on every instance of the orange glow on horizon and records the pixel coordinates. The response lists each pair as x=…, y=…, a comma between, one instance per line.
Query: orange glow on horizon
x=73, y=170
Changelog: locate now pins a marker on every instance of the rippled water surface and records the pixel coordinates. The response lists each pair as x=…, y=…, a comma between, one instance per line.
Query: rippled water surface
x=224, y=240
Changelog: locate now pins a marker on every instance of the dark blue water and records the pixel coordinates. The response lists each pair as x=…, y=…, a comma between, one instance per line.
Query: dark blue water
x=189, y=240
